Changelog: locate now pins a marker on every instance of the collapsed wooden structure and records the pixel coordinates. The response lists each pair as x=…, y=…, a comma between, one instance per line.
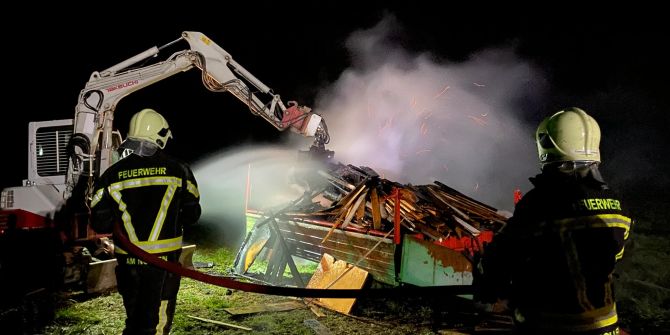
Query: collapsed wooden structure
x=424, y=235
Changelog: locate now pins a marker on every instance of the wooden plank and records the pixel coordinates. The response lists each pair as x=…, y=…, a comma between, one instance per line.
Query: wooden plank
x=311, y=253
x=316, y=231
x=349, y=240
x=385, y=253
x=276, y=307
x=376, y=210
x=360, y=211
x=376, y=256
x=377, y=268
x=360, y=261
x=316, y=310
x=229, y=325
x=306, y=254
x=354, y=209
x=385, y=275
x=464, y=198
x=335, y=179
x=326, y=276
x=349, y=247
x=345, y=204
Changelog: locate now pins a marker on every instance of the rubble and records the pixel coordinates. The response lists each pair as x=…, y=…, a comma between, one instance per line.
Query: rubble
x=357, y=198
x=426, y=235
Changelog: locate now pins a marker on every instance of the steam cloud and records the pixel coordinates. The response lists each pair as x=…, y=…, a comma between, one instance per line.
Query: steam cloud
x=416, y=120
x=410, y=118
x=258, y=178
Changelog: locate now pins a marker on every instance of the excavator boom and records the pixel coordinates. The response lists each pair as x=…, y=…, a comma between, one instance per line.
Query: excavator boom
x=94, y=142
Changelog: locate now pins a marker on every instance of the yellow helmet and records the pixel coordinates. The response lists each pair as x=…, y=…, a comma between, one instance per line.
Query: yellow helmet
x=149, y=125
x=569, y=135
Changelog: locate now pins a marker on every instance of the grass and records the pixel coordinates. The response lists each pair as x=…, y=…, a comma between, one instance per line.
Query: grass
x=642, y=287
x=104, y=314
x=643, y=284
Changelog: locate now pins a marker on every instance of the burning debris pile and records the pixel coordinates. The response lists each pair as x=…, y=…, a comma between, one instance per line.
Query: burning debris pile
x=424, y=235
x=357, y=198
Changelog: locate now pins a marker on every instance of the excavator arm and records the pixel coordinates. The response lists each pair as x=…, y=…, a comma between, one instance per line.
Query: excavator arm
x=93, y=142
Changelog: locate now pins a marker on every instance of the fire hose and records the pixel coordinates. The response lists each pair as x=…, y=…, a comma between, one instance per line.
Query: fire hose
x=176, y=268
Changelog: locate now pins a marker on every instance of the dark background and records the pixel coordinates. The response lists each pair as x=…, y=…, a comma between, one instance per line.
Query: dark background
x=610, y=61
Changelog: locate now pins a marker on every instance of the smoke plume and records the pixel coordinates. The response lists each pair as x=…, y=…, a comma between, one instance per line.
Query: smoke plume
x=411, y=118
x=416, y=120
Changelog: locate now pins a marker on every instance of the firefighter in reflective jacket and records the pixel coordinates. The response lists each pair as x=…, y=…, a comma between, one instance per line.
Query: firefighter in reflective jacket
x=554, y=260
x=152, y=196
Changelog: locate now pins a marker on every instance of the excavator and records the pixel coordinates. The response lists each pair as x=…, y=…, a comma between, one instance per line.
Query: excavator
x=50, y=210
x=46, y=240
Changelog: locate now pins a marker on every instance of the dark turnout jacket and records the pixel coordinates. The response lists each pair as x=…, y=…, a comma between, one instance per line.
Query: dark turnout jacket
x=152, y=197
x=555, y=258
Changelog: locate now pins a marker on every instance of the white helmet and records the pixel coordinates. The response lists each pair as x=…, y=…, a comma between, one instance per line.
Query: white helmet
x=149, y=125
x=569, y=135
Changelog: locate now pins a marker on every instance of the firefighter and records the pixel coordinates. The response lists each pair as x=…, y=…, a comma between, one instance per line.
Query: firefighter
x=552, y=264
x=152, y=197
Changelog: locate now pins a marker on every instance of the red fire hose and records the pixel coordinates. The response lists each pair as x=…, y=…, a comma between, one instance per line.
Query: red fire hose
x=176, y=268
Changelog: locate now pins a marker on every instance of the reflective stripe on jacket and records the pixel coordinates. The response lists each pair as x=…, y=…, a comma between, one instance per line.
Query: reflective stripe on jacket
x=555, y=258
x=152, y=197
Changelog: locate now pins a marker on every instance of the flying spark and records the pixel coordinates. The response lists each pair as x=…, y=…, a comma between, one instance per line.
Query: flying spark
x=444, y=90
x=424, y=128
x=478, y=120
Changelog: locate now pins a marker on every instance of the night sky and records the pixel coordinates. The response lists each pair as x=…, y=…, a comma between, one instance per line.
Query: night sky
x=612, y=65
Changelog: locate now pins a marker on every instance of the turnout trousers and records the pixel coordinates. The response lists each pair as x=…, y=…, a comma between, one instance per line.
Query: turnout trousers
x=149, y=296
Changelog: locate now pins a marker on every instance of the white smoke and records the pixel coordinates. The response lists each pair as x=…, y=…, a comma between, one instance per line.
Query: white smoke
x=409, y=117
x=416, y=120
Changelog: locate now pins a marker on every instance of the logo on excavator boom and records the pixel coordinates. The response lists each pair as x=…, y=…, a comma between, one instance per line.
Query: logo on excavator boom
x=119, y=86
